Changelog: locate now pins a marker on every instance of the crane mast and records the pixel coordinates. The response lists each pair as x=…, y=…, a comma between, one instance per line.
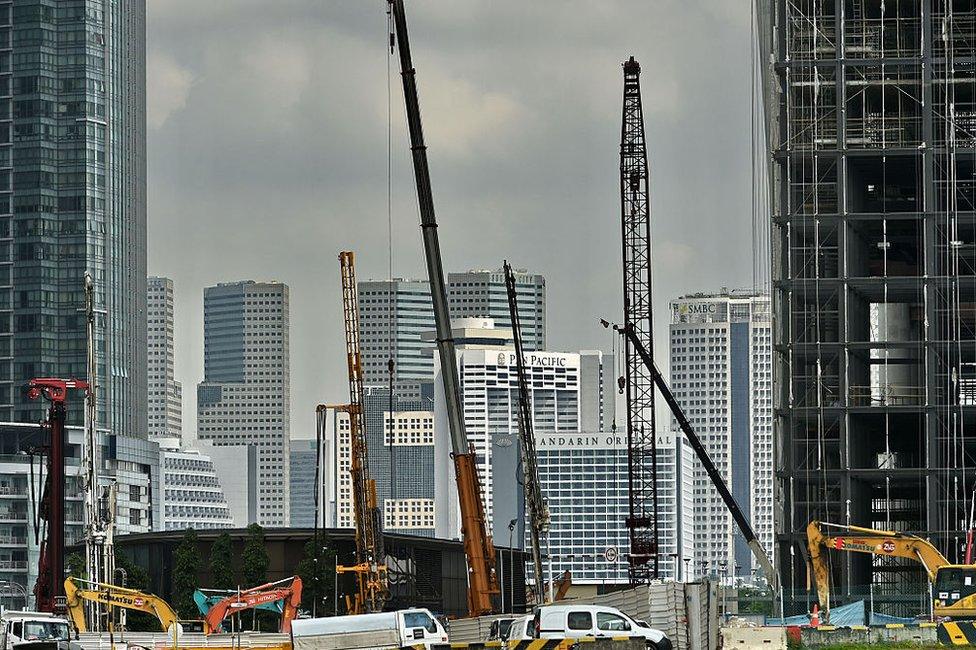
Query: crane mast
x=638, y=315
x=537, y=508
x=478, y=546
x=370, y=568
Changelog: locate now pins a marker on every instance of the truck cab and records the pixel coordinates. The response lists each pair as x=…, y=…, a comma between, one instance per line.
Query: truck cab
x=33, y=631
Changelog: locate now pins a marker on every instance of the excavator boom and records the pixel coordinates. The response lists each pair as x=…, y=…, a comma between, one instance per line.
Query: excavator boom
x=855, y=539
x=290, y=595
x=114, y=596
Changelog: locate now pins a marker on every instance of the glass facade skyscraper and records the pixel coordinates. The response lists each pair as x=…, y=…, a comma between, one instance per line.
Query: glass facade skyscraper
x=73, y=200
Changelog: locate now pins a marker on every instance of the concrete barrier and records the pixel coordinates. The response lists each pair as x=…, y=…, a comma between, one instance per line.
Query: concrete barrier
x=754, y=638
x=826, y=635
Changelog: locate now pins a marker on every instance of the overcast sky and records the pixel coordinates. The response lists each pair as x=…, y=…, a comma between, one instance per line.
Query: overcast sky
x=268, y=155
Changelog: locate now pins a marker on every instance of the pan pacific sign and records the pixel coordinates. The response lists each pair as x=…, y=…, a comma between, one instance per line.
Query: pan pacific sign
x=536, y=359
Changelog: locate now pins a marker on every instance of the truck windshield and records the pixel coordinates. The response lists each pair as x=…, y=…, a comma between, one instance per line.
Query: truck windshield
x=419, y=619
x=45, y=630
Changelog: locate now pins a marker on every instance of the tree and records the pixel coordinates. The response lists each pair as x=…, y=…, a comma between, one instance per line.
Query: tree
x=222, y=563
x=137, y=578
x=254, y=565
x=186, y=566
x=76, y=565
x=317, y=571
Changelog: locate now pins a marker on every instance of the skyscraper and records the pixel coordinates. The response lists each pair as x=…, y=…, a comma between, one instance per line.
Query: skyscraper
x=871, y=147
x=244, y=397
x=474, y=294
x=482, y=294
x=73, y=200
x=304, y=454
x=721, y=375
x=165, y=393
x=193, y=496
x=408, y=304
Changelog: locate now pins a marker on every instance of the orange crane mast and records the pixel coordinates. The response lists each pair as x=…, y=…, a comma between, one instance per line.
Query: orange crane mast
x=372, y=586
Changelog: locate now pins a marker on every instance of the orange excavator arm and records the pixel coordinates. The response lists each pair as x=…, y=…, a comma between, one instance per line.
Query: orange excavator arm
x=855, y=539
x=255, y=597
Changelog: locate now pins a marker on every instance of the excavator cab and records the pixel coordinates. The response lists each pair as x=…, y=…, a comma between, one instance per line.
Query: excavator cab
x=955, y=591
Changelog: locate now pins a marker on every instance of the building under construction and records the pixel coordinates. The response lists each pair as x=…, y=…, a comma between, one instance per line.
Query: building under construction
x=870, y=113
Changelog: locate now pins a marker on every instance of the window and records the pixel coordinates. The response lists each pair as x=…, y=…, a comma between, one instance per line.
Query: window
x=419, y=619
x=611, y=622
x=579, y=621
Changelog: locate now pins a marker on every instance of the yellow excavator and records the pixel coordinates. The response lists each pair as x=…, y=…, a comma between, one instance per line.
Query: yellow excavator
x=78, y=591
x=954, y=585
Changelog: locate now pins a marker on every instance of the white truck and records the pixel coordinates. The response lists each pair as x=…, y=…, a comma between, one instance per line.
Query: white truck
x=401, y=629
x=33, y=631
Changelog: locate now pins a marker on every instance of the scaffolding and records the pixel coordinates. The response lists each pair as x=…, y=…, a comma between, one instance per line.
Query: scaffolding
x=872, y=137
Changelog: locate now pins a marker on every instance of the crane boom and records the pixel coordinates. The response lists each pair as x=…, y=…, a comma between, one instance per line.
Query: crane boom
x=370, y=568
x=536, y=505
x=478, y=546
x=730, y=503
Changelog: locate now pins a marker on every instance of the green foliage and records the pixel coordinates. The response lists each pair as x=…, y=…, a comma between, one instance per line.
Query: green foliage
x=136, y=577
x=186, y=566
x=254, y=570
x=222, y=563
x=76, y=565
x=755, y=601
x=254, y=560
x=317, y=571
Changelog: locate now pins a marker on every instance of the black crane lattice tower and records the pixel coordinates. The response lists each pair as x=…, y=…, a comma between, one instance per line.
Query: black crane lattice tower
x=639, y=387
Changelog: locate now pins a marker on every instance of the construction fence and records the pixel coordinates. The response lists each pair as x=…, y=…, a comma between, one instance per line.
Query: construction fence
x=686, y=612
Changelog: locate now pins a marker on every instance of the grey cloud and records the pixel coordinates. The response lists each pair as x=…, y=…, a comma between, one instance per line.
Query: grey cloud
x=269, y=154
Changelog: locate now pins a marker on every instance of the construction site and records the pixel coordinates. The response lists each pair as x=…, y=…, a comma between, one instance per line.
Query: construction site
x=865, y=190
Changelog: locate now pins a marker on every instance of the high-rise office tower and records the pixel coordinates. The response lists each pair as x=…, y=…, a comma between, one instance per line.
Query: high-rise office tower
x=482, y=294
x=165, y=393
x=407, y=305
x=721, y=374
x=393, y=315
x=871, y=115
x=303, y=457
x=73, y=200
x=400, y=437
x=244, y=397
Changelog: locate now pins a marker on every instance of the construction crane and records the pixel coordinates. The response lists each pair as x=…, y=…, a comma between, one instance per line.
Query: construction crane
x=536, y=506
x=287, y=593
x=642, y=375
x=78, y=592
x=954, y=585
x=755, y=545
x=478, y=546
x=642, y=518
x=48, y=592
x=372, y=586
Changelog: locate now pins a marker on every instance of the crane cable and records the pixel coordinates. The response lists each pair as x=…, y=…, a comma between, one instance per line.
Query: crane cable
x=391, y=293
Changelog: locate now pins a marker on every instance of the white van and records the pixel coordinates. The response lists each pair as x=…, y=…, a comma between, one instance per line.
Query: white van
x=401, y=629
x=577, y=621
x=521, y=629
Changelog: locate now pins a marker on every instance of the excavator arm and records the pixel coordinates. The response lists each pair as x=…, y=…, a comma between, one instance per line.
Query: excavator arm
x=114, y=596
x=256, y=598
x=855, y=539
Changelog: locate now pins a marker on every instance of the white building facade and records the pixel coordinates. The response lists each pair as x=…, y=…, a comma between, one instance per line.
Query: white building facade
x=489, y=390
x=165, y=393
x=585, y=482
x=192, y=494
x=676, y=507
x=721, y=374
x=245, y=397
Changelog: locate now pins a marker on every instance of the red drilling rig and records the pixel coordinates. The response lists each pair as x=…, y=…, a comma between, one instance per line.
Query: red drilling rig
x=49, y=588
